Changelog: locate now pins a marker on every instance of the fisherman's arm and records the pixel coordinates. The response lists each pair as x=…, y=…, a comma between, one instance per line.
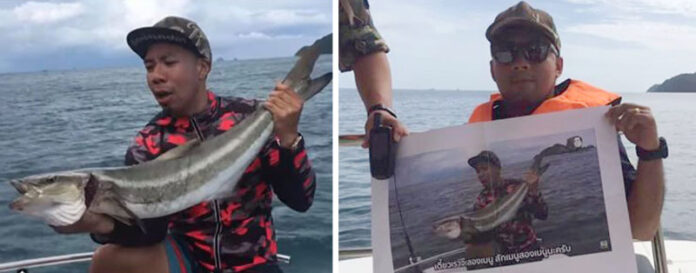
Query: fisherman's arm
x=646, y=199
x=363, y=50
x=373, y=79
x=288, y=167
x=646, y=195
x=292, y=176
x=537, y=206
x=535, y=203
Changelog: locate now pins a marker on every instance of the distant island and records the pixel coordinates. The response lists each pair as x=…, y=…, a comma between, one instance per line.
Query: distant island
x=679, y=83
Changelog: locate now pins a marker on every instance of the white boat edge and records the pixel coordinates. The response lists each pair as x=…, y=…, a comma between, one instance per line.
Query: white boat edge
x=16, y=266
x=681, y=257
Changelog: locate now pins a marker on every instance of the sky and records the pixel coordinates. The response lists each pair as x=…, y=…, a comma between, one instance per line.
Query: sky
x=617, y=45
x=84, y=34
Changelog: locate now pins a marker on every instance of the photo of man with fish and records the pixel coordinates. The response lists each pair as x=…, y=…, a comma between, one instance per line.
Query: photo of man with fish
x=516, y=233
x=502, y=203
x=223, y=147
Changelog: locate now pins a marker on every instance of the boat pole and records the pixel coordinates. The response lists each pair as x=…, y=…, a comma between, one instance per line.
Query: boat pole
x=659, y=254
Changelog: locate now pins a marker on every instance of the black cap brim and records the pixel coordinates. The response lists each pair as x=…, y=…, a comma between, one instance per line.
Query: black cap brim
x=475, y=160
x=140, y=40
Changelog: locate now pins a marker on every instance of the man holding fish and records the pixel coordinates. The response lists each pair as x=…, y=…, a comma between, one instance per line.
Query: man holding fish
x=516, y=234
x=191, y=151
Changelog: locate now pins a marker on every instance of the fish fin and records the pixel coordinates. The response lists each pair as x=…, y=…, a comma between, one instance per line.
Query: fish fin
x=19, y=186
x=179, y=151
x=542, y=169
x=133, y=217
x=317, y=84
x=122, y=219
x=324, y=45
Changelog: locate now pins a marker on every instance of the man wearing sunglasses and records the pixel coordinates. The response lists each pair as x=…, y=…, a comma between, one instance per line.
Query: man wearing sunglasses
x=526, y=62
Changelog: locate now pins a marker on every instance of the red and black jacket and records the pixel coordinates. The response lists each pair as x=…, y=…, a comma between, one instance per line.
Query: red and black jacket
x=231, y=234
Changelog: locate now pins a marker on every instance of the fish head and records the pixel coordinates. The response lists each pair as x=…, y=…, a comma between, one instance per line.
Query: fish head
x=57, y=198
x=449, y=228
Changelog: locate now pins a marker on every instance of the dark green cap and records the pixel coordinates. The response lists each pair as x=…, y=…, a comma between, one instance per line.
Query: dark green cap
x=485, y=157
x=172, y=29
x=522, y=14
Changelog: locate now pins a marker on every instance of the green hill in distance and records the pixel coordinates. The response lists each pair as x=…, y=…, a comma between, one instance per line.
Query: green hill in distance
x=679, y=83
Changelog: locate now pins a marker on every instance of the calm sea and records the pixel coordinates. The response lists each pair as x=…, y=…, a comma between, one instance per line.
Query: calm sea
x=63, y=120
x=423, y=110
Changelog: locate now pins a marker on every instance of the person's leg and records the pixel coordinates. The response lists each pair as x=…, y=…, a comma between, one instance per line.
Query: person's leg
x=114, y=258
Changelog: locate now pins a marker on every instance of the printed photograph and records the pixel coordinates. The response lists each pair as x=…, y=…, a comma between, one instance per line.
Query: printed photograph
x=499, y=204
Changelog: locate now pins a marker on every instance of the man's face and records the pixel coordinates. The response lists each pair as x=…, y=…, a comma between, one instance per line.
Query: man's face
x=487, y=174
x=174, y=76
x=577, y=142
x=521, y=81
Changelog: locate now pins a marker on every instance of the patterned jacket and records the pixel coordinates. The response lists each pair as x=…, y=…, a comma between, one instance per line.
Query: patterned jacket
x=517, y=234
x=231, y=234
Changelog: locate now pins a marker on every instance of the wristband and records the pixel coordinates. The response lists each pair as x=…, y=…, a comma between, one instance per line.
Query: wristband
x=660, y=153
x=380, y=106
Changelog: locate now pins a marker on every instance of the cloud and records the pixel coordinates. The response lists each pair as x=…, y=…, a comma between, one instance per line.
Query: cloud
x=652, y=35
x=685, y=8
x=263, y=36
x=652, y=24
x=42, y=13
x=620, y=45
x=50, y=27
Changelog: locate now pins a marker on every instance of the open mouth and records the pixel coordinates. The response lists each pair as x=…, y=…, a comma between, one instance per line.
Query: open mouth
x=163, y=96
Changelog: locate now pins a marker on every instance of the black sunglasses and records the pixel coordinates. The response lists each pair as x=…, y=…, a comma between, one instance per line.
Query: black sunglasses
x=535, y=52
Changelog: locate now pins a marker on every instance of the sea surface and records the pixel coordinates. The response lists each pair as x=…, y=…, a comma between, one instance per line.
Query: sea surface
x=63, y=120
x=422, y=110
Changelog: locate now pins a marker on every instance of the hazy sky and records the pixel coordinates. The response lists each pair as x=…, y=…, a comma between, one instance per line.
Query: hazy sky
x=82, y=34
x=619, y=45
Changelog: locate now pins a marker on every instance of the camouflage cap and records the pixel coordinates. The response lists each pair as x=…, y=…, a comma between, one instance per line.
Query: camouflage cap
x=176, y=30
x=522, y=14
x=484, y=156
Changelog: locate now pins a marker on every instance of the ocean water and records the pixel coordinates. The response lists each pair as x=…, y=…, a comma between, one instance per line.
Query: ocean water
x=423, y=110
x=63, y=120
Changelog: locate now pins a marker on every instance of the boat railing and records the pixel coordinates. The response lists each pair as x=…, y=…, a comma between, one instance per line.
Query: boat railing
x=659, y=254
x=658, y=250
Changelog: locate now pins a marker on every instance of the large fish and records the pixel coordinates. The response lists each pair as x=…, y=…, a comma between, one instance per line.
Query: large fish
x=178, y=179
x=502, y=210
x=465, y=226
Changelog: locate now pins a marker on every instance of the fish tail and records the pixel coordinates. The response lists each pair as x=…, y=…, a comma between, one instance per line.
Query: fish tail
x=316, y=85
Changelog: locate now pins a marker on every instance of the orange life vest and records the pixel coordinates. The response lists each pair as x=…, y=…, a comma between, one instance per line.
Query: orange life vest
x=577, y=95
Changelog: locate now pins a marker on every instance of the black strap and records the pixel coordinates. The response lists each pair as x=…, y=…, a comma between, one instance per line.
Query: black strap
x=380, y=106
